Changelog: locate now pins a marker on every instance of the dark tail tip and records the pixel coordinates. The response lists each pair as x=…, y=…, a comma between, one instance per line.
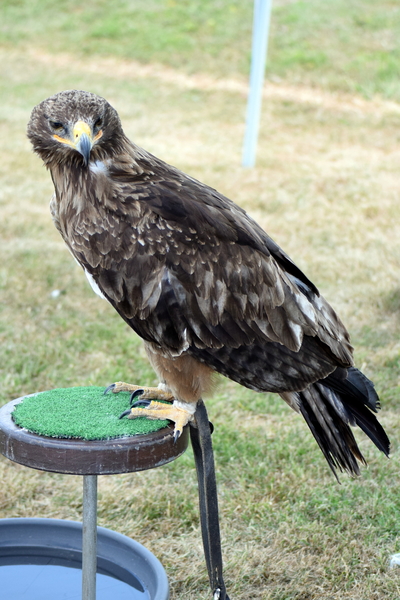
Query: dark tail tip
x=331, y=405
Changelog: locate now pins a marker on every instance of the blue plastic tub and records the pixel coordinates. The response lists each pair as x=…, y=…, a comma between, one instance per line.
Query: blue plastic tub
x=41, y=559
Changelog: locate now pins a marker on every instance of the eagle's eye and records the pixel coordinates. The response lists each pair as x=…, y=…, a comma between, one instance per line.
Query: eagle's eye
x=98, y=124
x=56, y=126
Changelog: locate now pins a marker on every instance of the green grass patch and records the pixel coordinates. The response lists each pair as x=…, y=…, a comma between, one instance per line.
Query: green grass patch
x=83, y=413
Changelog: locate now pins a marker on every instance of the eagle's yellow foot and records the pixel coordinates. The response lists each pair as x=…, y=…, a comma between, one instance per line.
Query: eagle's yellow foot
x=146, y=393
x=179, y=412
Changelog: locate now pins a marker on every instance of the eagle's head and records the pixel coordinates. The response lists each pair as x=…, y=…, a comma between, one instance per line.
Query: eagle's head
x=73, y=126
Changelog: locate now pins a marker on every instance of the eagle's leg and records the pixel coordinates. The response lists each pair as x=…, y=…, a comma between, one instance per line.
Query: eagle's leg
x=184, y=381
x=179, y=412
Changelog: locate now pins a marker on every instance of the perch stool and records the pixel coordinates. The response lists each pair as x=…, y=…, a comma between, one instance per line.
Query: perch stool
x=89, y=459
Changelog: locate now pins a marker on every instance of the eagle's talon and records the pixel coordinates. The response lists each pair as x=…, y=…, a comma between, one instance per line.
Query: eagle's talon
x=124, y=414
x=177, y=435
x=136, y=393
x=109, y=388
x=141, y=403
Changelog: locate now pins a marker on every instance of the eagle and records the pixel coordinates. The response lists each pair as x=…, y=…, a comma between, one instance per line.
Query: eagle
x=198, y=280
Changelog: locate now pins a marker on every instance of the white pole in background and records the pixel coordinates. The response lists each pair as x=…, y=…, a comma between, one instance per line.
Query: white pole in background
x=261, y=21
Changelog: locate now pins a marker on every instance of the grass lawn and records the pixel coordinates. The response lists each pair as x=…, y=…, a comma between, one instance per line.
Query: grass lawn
x=340, y=44
x=326, y=187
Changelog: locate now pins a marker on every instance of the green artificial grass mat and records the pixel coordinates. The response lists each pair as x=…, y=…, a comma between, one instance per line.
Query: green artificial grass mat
x=81, y=412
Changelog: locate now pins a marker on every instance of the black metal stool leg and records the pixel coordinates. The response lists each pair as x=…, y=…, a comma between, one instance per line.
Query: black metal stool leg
x=204, y=459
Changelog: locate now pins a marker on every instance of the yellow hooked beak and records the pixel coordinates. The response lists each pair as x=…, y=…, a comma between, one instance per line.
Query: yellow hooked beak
x=82, y=139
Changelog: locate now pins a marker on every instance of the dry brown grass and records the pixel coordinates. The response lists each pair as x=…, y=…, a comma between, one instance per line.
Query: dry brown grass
x=326, y=188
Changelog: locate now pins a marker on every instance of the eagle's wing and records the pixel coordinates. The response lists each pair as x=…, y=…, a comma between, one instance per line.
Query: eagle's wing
x=191, y=271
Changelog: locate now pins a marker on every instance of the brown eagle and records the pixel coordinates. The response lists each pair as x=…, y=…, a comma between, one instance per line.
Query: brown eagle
x=198, y=280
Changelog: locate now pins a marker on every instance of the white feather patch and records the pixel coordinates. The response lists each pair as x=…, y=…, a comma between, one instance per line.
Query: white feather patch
x=98, y=167
x=94, y=285
x=188, y=407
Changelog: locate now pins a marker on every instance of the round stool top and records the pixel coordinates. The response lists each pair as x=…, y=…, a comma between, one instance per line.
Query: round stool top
x=84, y=457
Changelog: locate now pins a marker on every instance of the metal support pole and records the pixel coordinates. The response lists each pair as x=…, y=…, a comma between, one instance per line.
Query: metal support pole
x=261, y=20
x=200, y=434
x=89, y=537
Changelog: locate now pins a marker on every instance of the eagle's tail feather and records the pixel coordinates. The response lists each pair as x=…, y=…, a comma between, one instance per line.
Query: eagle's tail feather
x=331, y=405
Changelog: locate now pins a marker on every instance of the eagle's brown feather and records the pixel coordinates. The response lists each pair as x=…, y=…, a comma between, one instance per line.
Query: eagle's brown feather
x=186, y=268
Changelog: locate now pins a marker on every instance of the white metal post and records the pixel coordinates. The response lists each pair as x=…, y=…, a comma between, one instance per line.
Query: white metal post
x=261, y=21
